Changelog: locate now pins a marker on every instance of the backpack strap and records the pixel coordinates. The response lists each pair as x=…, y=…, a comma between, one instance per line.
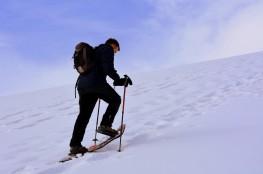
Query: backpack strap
x=82, y=69
x=84, y=50
x=76, y=85
x=84, y=54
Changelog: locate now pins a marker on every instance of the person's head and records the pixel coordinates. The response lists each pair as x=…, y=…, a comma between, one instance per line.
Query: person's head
x=114, y=44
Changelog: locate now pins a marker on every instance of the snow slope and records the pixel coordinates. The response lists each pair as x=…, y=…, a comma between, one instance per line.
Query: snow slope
x=200, y=118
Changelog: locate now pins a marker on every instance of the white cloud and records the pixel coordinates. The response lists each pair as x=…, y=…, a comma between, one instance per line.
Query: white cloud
x=19, y=74
x=243, y=33
x=29, y=77
x=190, y=31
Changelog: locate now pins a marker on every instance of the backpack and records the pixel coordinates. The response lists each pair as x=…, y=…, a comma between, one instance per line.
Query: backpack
x=83, y=57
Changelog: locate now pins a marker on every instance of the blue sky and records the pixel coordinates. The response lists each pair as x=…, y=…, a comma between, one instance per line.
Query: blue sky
x=37, y=37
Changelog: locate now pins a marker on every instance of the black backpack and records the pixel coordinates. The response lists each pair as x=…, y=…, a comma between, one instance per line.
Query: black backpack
x=83, y=57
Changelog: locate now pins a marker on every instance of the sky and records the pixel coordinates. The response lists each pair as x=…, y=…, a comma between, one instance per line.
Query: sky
x=37, y=38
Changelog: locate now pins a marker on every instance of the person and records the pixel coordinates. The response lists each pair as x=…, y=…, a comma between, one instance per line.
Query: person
x=93, y=85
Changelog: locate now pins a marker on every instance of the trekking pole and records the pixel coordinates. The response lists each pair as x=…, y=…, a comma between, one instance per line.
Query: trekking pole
x=123, y=106
x=95, y=137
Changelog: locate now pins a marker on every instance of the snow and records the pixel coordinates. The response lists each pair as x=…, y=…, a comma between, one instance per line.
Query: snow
x=199, y=118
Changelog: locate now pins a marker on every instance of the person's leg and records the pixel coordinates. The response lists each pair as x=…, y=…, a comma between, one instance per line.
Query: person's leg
x=110, y=96
x=87, y=103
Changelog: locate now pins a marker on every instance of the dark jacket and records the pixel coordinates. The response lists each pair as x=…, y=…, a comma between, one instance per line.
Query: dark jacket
x=104, y=66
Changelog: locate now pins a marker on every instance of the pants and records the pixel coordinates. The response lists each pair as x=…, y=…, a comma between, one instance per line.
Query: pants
x=87, y=103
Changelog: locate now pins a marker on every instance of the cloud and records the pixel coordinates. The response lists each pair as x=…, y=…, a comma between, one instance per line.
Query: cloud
x=21, y=76
x=18, y=74
x=190, y=31
x=242, y=34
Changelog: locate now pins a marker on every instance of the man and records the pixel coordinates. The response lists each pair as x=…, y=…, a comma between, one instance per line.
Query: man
x=93, y=85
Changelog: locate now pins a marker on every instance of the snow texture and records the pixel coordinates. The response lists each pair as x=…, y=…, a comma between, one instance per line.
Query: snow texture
x=194, y=119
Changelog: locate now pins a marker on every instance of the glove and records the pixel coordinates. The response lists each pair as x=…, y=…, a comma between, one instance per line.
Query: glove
x=128, y=80
x=123, y=81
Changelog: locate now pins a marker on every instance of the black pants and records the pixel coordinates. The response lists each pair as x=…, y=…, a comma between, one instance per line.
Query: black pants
x=87, y=103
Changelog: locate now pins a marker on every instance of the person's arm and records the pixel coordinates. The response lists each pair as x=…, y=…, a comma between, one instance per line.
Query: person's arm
x=108, y=64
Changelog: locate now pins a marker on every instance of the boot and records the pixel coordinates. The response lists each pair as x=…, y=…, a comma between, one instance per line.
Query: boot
x=77, y=149
x=107, y=130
